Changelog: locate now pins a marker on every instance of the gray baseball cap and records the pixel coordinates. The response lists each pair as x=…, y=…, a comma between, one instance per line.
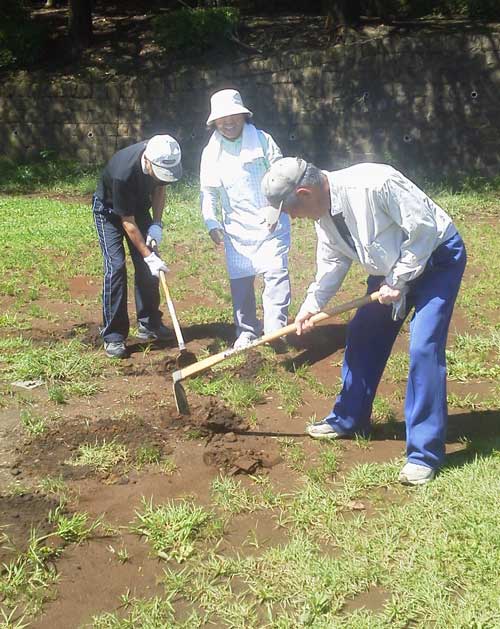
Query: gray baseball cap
x=278, y=183
x=164, y=153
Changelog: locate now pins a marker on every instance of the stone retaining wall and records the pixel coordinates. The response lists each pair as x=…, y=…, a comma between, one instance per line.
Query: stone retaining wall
x=428, y=103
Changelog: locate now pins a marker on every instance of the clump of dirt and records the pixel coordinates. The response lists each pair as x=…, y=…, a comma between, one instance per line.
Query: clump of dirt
x=229, y=443
x=88, y=333
x=164, y=366
x=19, y=515
x=251, y=366
x=214, y=417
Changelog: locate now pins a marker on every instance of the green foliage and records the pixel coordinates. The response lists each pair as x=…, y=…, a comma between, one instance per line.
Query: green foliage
x=65, y=364
x=195, y=30
x=172, y=528
x=21, y=40
x=27, y=578
x=73, y=528
x=47, y=174
x=100, y=457
x=34, y=424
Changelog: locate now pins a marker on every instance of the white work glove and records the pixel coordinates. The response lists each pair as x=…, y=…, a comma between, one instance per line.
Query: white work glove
x=217, y=235
x=396, y=297
x=155, y=264
x=155, y=232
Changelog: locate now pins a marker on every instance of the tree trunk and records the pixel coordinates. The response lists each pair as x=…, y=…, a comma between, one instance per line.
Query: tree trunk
x=80, y=24
x=344, y=12
x=341, y=16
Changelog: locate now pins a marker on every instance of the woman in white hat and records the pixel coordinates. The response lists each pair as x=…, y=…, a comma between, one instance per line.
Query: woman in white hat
x=232, y=167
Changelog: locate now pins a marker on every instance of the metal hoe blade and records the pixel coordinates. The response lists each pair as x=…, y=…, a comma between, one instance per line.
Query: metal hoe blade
x=180, y=397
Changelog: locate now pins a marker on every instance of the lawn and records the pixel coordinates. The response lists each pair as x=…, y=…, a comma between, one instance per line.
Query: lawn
x=116, y=512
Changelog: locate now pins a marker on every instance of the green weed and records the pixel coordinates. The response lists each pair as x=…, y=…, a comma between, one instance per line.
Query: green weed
x=293, y=453
x=101, y=457
x=229, y=495
x=147, y=455
x=65, y=364
x=26, y=580
x=239, y=394
x=73, y=528
x=474, y=357
x=34, y=424
x=172, y=528
x=285, y=384
x=382, y=410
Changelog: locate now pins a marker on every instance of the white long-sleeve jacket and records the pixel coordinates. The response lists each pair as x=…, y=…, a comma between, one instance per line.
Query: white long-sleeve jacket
x=395, y=227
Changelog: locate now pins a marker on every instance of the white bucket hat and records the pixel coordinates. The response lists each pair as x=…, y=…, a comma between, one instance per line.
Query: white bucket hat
x=226, y=103
x=164, y=153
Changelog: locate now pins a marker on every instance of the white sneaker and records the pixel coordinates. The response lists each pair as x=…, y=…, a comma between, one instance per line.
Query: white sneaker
x=244, y=340
x=413, y=474
x=323, y=430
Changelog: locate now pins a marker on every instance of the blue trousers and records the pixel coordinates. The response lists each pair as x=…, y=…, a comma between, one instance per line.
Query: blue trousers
x=370, y=337
x=114, y=294
x=275, y=302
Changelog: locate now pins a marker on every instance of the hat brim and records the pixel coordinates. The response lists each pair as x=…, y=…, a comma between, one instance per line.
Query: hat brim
x=168, y=175
x=230, y=111
x=272, y=215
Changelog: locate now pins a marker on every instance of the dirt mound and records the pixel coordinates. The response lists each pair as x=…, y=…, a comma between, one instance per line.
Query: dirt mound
x=251, y=366
x=19, y=515
x=88, y=333
x=48, y=454
x=230, y=445
x=227, y=440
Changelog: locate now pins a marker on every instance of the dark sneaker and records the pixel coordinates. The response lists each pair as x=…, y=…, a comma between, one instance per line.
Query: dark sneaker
x=115, y=349
x=161, y=333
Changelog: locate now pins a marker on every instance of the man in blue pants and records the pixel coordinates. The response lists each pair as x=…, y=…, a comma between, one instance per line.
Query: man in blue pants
x=415, y=258
x=132, y=182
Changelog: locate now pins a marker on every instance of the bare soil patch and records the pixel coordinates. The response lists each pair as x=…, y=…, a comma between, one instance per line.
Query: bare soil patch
x=19, y=515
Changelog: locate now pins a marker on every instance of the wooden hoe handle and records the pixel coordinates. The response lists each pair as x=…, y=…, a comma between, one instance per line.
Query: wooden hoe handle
x=210, y=361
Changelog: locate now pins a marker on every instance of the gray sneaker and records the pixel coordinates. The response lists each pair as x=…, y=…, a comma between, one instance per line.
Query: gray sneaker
x=414, y=474
x=323, y=430
x=160, y=333
x=115, y=349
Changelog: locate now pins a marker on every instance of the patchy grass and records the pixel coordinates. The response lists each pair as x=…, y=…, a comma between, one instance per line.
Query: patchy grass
x=239, y=395
x=101, y=457
x=474, y=357
x=74, y=528
x=345, y=527
x=26, y=581
x=173, y=528
x=67, y=365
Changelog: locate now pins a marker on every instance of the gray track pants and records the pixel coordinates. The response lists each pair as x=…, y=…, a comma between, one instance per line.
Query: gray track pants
x=275, y=301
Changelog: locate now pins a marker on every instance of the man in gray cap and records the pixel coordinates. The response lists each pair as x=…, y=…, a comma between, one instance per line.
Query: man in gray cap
x=132, y=182
x=415, y=258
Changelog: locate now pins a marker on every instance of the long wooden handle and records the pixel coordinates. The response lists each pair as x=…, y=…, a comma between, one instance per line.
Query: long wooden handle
x=173, y=314
x=170, y=304
x=211, y=361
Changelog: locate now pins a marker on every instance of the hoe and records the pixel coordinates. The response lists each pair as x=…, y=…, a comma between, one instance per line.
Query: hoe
x=181, y=374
